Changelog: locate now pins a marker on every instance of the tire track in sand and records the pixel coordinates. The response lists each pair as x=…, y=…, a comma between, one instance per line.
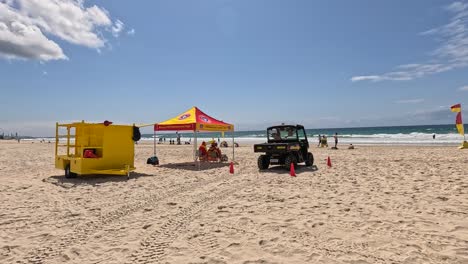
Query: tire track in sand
x=83, y=231
x=153, y=247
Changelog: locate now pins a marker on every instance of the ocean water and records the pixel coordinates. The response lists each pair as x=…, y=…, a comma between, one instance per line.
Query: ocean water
x=394, y=135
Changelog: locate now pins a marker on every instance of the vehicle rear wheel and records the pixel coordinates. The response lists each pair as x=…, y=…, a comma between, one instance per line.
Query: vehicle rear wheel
x=310, y=159
x=68, y=173
x=263, y=162
x=290, y=159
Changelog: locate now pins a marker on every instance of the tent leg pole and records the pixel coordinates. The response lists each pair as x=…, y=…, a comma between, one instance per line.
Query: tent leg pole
x=233, y=146
x=154, y=142
x=195, y=146
x=195, y=158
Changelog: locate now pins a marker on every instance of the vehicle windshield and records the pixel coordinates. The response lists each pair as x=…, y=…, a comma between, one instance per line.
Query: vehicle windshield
x=282, y=133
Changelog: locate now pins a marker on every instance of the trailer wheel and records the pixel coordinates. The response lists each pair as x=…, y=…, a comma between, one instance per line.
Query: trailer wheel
x=68, y=173
x=310, y=160
x=291, y=158
x=263, y=162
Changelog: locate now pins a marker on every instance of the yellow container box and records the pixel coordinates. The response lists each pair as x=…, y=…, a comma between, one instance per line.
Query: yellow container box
x=94, y=148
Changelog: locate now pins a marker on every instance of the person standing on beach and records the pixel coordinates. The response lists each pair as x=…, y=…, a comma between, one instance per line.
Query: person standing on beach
x=178, y=138
x=433, y=136
x=336, y=139
x=324, y=141
x=320, y=140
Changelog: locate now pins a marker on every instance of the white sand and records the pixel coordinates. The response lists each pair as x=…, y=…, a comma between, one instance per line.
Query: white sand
x=375, y=205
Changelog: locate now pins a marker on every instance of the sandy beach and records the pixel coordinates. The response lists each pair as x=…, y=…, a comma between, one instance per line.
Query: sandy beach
x=376, y=204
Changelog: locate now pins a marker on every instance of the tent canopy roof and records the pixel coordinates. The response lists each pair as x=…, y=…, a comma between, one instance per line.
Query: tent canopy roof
x=194, y=120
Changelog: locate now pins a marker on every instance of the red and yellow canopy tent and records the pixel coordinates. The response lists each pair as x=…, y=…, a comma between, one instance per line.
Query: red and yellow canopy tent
x=196, y=121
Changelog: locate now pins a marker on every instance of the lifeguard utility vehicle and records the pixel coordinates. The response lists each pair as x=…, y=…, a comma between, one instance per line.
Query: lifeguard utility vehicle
x=286, y=145
x=95, y=148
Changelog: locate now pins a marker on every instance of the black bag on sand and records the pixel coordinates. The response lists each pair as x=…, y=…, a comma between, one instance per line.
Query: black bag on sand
x=153, y=161
x=224, y=157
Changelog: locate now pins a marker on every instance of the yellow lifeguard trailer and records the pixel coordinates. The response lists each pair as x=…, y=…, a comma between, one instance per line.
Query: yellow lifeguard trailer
x=95, y=148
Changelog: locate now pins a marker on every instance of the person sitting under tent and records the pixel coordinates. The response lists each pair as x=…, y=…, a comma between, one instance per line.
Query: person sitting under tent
x=202, y=152
x=214, y=153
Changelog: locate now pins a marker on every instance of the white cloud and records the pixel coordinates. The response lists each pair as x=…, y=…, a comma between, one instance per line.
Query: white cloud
x=463, y=88
x=19, y=40
x=26, y=24
x=410, y=101
x=131, y=32
x=366, y=78
x=457, y=7
x=117, y=28
x=451, y=54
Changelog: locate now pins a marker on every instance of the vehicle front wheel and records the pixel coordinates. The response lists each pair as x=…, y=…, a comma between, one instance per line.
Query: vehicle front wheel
x=263, y=162
x=310, y=159
x=68, y=173
x=290, y=159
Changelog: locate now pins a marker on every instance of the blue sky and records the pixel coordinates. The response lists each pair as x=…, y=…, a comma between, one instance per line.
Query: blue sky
x=253, y=63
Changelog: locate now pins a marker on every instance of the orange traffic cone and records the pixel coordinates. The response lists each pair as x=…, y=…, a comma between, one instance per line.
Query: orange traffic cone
x=292, y=171
x=231, y=168
x=329, y=162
